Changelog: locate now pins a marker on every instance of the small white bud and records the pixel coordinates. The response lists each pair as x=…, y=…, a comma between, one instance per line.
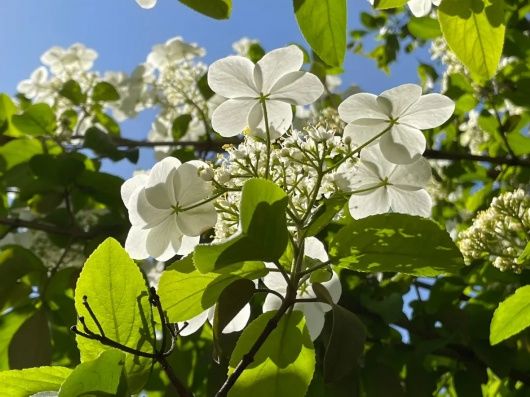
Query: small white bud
x=206, y=173
x=223, y=177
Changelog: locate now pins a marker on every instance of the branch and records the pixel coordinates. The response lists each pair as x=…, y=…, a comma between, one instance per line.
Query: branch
x=46, y=227
x=441, y=155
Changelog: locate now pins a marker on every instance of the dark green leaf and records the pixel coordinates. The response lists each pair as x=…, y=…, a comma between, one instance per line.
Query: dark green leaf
x=105, y=92
x=101, y=143
x=386, y=4
x=72, y=90
x=425, y=28
x=57, y=170
x=180, y=126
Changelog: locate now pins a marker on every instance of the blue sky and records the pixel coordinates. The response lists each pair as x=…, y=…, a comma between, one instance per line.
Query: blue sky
x=123, y=34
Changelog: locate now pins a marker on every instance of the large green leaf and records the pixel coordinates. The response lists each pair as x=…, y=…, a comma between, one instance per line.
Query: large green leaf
x=283, y=366
x=31, y=344
x=117, y=293
x=18, y=151
x=104, y=91
x=218, y=9
x=426, y=28
x=24, y=383
x=37, y=120
x=186, y=292
x=323, y=24
x=263, y=225
x=512, y=316
x=10, y=323
x=474, y=30
x=102, y=376
x=396, y=243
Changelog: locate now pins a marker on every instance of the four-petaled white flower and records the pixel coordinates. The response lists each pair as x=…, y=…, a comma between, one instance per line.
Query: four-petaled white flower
x=68, y=62
x=403, y=111
x=419, y=8
x=167, y=209
x=146, y=3
x=314, y=312
x=275, y=80
x=382, y=185
x=37, y=87
x=171, y=51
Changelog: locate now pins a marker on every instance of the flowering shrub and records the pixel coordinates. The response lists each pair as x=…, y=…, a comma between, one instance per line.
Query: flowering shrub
x=271, y=248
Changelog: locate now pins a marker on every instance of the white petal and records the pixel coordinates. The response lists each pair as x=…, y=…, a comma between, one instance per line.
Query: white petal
x=334, y=287
x=314, y=318
x=361, y=106
x=163, y=240
x=159, y=189
x=276, y=282
x=231, y=117
x=432, y=110
x=403, y=145
x=410, y=202
x=237, y=323
x=436, y=2
x=130, y=185
x=363, y=130
x=297, y=88
x=232, y=77
x=190, y=188
x=371, y=203
x=197, y=220
x=146, y=3
x=136, y=243
x=373, y=158
x=280, y=116
x=141, y=212
x=412, y=176
x=275, y=65
x=194, y=324
x=313, y=248
x=188, y=244
x=400, y=98
x=420, y=8
x=272, y=302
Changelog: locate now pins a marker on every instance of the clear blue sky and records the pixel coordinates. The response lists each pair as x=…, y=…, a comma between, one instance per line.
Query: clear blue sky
x=123, y=34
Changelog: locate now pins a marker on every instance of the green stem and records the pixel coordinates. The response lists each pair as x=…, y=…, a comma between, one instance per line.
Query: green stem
x=268, y=137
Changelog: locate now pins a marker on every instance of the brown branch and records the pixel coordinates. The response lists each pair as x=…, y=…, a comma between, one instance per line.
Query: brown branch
x=46, y=227
x=442, y=155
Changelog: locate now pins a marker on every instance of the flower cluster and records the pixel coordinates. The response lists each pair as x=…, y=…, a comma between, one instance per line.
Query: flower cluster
x=500, y=233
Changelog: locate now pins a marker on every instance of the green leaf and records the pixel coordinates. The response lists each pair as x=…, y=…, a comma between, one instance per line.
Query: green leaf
x=108, y=122
x=103, y=187
x=24, y=383
x=31, y=345
x=512, y=316
x=101, y=143
x=231, y=300
x=102, y=376
x=524, y=258
x=72, y=90
x=323, y=24
x=117, y=294
x=386, y=4
x=425, y=28
x=396, y=243
x=263, y=235
x=284, y=364
x=10, y=323
x=57, y=170
x=37, y=120
x=15, y=263
x=180, y=126
x=185, y=292
x=18, y=151
x=474, y=30
x=217, y=9
x=105, y=92
x=7, y=110
x=325, y=213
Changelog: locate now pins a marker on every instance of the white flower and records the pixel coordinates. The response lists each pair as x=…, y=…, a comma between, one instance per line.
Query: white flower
x=71, y=61
x=165, y=211
x=384, y=186
x=235, y=325
x=314, y=312
x=146, y=3
x=403, y=111
x=242, y=46
x=419, y=8
x=171, y=51
x=37, y=87
x=275, y=79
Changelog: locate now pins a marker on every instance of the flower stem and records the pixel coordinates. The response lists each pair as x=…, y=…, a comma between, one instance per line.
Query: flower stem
x=268, y=137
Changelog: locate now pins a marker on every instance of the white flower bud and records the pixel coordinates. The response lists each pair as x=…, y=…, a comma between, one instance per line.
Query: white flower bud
x=206, y=173
x=223, y=177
